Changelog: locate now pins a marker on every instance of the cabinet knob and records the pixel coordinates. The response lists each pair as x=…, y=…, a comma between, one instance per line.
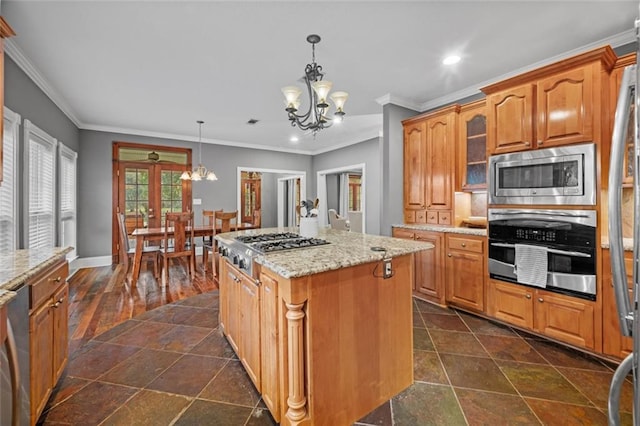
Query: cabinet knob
x=540, y=299
x=540, y=142
x=528, y=296
x=56, y=280
x=449, y=254
x=464, y=244
x=527, y=143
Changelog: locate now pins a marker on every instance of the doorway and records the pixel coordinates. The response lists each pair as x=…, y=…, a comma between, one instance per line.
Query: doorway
x=146, y=185
x=348, y=190
x=250, y=195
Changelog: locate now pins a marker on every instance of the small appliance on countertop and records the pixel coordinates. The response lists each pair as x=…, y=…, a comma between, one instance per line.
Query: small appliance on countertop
x=475, y=222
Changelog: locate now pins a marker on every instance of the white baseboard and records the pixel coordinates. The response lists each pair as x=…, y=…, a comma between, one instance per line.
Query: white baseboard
x=89, y=262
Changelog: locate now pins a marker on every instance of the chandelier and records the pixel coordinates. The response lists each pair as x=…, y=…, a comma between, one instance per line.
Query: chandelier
x=201, y=171
x=315, y=118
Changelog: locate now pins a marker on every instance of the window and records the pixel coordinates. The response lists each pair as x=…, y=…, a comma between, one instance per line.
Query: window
x=355, y=192
x=9, y=186
x=40, y=176
x=67, y=159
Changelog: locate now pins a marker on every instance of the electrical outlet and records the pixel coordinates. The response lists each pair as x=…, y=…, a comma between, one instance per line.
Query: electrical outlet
x=387, y=269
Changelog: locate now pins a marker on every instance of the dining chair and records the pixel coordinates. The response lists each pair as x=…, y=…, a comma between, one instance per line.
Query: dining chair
x=257, y=218
x=337, y=222
x=127, y=252
x=208, y=219
x=178, y=241
x=225, y=222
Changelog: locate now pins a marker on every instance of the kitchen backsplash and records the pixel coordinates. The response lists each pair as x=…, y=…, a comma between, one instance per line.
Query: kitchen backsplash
x=479, y=204
x=627, y=212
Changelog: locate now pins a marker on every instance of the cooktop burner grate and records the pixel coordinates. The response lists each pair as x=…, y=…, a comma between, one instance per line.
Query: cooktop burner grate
x=287, y=244
x=249, y=239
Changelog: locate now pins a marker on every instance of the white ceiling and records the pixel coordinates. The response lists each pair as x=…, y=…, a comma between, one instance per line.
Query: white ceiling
x=155, y=67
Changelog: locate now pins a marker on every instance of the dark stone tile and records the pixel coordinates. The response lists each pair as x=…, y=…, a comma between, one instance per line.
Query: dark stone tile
x=541, y=381
x=426, y=404
x=180, y=338
x=444, y=322
x=158, y=311
x=418, y=322
x=556, y=413
x=147, y=333
x=421, y=339
x=214, y=413
x=489, y=408
x=428, y=368
x=118, y=330
x=99, y=359
x=148, y=408
x=595, y=385
x=260, y=417
x=380, y=416
x=232, y=385
x=77, y=350
x=189, y=375
x=484, y=326
x=510, y=348
x=431, y=308
x=173, y=314
x=215, y=344
x=65, y=387
x=456, y=343
x=207, y=318
x=89, y=406
x=205, y=300
x=141, y=369
x=475, y=373
x=562, y=356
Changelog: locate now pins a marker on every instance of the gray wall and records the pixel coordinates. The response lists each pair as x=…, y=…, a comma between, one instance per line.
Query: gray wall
x=94, y=177
x=333, y=192
x=367, y=152
x=21, y=95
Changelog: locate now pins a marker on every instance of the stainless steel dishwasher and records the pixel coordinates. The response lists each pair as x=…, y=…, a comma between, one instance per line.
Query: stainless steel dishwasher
x=18, y=321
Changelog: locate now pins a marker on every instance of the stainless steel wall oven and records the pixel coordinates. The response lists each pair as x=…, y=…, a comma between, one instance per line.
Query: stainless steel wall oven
x=551, y=249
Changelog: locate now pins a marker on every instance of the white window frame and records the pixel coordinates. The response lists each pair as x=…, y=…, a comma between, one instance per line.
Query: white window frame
x=68, y=218
x=32, y=129
x=12, y=123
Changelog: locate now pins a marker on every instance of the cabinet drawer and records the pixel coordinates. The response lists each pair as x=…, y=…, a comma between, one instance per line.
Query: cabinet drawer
x=465, y=243
x=409, y=216
x=421, y=216
x=432, y=217
x=43, y=285
x=444, y=218
x=402, y=233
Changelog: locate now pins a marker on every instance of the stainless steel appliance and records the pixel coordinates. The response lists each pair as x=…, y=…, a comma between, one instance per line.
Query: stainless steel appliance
x=564, y=175
x=627, y=114
x=18, y=315
x=244, y=248
x=561, y=242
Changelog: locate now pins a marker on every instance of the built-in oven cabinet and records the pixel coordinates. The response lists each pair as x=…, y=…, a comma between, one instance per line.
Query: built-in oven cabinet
x=559, y=104
x=564, y=318
x=613, y=342
x=429, y=167
x=465, y=271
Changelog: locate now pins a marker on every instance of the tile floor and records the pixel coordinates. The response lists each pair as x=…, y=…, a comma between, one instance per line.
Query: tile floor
x=172, y=366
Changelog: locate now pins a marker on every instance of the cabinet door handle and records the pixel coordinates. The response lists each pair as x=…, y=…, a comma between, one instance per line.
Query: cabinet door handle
x=56, y=280
x=528, y=296
x=540, y=299
x=55, y=305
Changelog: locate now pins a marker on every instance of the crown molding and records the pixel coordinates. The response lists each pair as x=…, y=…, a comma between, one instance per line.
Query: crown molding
x=390, y=98
x=372, y=135
x=615, y=40
x=32, y=72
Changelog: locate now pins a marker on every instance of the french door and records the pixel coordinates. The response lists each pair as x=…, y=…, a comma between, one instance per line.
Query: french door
x=250, y=195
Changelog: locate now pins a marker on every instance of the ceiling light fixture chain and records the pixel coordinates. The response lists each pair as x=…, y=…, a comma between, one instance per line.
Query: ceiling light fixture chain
x=201, y=171
x=315, y=118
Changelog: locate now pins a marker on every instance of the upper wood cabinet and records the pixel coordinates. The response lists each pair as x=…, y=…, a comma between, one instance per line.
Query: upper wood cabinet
x=472, y=146
x=429, y=167
x=555, y=105
x=5, y=32
x=614, y=89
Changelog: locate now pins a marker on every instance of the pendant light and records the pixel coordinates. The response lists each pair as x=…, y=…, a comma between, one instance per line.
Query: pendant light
x=200, y=172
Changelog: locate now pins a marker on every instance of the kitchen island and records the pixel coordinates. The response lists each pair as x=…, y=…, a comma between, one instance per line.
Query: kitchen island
x=323, y=335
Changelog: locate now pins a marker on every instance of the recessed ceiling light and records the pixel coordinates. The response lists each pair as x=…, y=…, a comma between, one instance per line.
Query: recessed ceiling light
x=294, y=139
x=450, y=60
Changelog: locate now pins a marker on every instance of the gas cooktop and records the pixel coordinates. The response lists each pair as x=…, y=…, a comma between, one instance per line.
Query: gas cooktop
x=268, y=243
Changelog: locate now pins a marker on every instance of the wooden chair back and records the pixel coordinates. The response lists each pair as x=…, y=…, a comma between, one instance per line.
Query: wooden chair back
x=182, y=224
x=257, y=218
x=124, y=238
x=227, y=221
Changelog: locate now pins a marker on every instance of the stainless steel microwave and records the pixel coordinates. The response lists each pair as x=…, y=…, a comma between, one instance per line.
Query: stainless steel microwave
x=564, y=175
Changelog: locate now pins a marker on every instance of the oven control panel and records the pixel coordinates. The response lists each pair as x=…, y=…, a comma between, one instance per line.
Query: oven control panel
x=529, y=234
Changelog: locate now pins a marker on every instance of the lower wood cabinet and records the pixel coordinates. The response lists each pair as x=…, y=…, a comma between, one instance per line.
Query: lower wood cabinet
x=48, y=333
x=565, y=318
x=465, y=271
x=613, y=342
x=269, y=334
x=429, y=268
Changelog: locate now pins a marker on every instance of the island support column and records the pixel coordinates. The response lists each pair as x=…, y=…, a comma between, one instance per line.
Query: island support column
x=297, y=399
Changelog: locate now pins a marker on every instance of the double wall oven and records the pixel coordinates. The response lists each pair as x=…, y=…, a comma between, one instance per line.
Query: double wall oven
x=554, y=248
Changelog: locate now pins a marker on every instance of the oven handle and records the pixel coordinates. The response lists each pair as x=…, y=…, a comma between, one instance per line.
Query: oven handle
x=537, y=213
x=550, y=250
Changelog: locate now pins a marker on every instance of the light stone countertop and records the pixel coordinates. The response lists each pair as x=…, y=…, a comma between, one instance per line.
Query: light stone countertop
x=626, y=242
x=438, y=228
x=345, y=249
x=18, y=266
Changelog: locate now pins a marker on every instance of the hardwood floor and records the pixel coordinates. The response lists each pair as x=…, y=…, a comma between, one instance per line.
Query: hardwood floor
x=100, y=298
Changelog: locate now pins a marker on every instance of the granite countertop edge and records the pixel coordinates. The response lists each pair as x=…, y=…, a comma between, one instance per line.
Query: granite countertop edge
x=345, y=249
x=447, y=229
x=20, y=265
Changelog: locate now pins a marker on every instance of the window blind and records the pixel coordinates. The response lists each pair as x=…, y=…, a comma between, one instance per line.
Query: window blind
x=67, y=160
x=8, y=188
x=40, y=175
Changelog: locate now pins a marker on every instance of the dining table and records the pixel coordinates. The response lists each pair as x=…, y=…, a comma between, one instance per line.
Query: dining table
x=145, y=234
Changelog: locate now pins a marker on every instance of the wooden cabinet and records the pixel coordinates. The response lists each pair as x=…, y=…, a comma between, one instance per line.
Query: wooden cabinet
x=429, y=172
x=614, y=343
x=5, y=32
x=240, y=318
x=472, y=146
x=555, y=105
x=429, y=268
x=614, y=89
x=565, y=318
x=269, y=315
x=465, y=271
x=48, y=335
